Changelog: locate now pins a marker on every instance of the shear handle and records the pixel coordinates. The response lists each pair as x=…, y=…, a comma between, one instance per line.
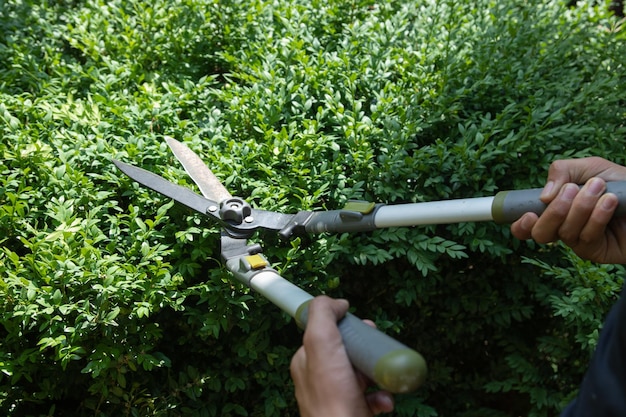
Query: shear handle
x=389, y=363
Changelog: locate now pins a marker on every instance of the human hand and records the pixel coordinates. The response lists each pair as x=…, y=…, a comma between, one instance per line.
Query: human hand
x=581, y=218
x=326, y=383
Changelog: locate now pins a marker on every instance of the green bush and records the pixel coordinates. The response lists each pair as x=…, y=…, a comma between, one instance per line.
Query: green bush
x=113, y=301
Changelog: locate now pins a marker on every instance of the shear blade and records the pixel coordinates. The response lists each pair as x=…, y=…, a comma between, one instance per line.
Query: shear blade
x=208, y=183
x=181, y=194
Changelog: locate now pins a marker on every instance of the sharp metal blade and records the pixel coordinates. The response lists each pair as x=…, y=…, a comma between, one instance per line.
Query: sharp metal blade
x=208, y=183
x=181, y=194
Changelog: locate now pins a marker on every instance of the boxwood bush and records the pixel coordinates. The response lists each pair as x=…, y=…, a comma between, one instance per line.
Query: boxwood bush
x=113, y=300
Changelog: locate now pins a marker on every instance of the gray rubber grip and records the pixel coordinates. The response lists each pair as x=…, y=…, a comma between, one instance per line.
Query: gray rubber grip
x=509, y=206
x=390, y=364
x=340, y=221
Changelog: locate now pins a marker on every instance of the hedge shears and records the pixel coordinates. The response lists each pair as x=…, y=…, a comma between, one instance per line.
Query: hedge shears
x=389, y=363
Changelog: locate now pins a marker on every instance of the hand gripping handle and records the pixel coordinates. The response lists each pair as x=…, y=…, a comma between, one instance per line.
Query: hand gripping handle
x=508, y=206
x=389, y=363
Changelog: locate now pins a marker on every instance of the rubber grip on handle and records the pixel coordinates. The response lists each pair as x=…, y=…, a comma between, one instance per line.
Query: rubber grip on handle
x=340, y=221
x=509, y=206
x=392, y=365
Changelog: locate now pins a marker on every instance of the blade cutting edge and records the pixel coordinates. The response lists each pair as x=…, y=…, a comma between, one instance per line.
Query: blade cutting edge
x=204, y=178
x=181, y=194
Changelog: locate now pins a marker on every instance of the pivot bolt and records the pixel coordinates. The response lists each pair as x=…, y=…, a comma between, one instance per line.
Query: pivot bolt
x=235, y=210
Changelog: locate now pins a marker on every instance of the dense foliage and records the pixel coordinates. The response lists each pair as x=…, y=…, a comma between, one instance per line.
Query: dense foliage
x=113, y=301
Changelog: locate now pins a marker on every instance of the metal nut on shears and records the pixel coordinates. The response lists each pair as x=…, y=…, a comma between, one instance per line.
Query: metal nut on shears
x=235, y=210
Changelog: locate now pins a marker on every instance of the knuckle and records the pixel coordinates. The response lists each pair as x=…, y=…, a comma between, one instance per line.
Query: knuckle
x=559, y=165
x=588, y=237
x=595, y=160
x=296, y=362
x=569, y=236
x=541, y=236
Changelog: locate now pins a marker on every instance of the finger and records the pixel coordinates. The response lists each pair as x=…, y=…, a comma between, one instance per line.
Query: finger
x=321, y=337
x=547, y=226
x=298, y=371
x=522, y=229
x=323, y=304
x=363, y=381
x=616, y=233
x=369, y=323
x=595, y=229
x=324, y=312
x=560, y=173
x=380, y=402
x=580, y=213
x=298, y=361
x=578, y=171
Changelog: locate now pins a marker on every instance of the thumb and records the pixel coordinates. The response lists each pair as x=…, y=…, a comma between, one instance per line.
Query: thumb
x=323, y=308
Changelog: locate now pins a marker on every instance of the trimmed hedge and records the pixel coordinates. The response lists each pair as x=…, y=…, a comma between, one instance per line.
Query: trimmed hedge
x=113, y=301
